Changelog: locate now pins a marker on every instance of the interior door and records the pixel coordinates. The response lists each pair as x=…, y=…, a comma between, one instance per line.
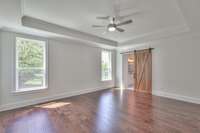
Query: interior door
x=143, y=71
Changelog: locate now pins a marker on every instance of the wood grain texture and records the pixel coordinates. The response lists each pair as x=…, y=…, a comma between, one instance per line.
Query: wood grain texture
x=108, y=111
x=143, y=71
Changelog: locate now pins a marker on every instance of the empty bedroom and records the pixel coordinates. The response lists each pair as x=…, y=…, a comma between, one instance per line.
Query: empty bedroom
x=99, y=66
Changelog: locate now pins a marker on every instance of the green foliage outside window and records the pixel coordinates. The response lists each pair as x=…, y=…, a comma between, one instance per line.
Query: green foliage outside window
x=30, y=63
x=30, y=54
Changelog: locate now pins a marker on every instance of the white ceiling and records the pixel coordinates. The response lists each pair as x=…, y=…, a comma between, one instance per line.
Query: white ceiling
x=80, y=15
x=156, y=18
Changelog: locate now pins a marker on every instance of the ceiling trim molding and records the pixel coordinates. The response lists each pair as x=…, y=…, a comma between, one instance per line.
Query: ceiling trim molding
x=22, y=6
x=150, y=44
x=164, y=32
x=181, y=13
x=156, y=35
x=35, y=23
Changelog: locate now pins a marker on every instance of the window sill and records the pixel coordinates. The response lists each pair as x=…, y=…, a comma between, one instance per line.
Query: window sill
x=29, y=90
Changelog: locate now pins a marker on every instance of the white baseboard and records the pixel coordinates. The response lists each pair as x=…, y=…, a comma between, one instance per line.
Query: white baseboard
x=177, y=97
x=46, y=99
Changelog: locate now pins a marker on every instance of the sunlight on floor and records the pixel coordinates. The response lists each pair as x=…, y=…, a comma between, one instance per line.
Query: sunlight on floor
x=53, y=105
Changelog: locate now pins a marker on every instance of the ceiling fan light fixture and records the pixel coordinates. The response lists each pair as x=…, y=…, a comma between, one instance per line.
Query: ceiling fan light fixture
x=111, y=28
x=113, y=24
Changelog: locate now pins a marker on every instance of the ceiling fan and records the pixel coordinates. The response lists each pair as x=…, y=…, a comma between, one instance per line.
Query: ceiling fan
x=113, y=25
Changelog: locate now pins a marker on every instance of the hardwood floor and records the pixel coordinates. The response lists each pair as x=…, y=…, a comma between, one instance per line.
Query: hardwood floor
x=108, y=111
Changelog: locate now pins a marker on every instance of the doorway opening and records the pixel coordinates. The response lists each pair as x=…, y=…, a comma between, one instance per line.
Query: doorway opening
x=130, y=73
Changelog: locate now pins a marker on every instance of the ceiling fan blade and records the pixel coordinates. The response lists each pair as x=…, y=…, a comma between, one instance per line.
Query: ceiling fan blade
x=125, y=22
x=98, y=26
x=120, y=30
x=106, y=17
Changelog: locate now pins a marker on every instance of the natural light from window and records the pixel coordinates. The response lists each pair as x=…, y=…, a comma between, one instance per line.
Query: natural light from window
x=31, y=68
x=106, y=65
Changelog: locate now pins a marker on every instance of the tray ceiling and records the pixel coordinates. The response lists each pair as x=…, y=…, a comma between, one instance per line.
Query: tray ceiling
x=153, y=16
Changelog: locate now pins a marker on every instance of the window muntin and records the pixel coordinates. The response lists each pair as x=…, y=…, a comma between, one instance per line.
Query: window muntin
x=31, y=68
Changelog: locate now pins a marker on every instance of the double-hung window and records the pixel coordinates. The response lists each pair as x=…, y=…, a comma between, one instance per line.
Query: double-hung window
x=106, y=65
x=31, y=64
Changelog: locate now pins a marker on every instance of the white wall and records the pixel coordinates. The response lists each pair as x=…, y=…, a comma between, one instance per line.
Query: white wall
x=176, y=67
x=74, y=68
x=0, y=69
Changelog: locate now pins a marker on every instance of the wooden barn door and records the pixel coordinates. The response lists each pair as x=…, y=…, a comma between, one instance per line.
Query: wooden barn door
x=143, y=71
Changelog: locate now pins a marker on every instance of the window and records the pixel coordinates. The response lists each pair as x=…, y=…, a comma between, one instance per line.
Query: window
x=106, y=65
x=31, y=64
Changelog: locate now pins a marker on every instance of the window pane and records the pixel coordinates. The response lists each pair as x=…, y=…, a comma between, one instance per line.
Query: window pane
x=30, y=78
x=30, y=53
x=30, y=64
x=106, y=65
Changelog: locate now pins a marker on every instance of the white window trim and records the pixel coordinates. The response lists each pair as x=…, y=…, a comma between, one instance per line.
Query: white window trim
x=107, y=80
x=15, y=90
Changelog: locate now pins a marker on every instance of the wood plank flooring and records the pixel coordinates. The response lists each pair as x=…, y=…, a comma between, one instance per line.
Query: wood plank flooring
x=108, y=111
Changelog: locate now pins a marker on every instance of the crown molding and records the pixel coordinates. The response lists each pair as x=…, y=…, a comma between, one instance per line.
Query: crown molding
x=156, y=35
x=160, y=33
